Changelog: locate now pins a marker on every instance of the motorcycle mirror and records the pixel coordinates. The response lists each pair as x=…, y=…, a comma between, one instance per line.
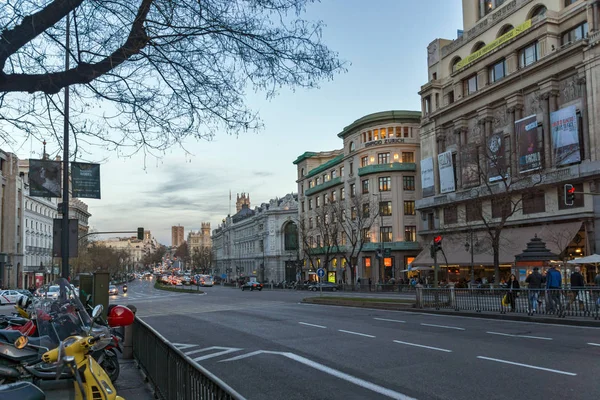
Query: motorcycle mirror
x=88, y=298
x=21, y=342
x=97, y=311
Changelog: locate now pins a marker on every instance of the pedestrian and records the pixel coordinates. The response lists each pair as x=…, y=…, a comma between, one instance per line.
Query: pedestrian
x=513, y=289
x=597, y=279
x=577, y=284
x=370, y=283
x=534, y=284
x=358, y=283
x=553, y=286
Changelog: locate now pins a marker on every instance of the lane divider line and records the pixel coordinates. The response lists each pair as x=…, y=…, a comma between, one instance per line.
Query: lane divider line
x=556, y=371
x=423, y=346
x=316, y=326
x=594, y=344
x=520, y=336
x=445, y=326
x=390, y=320
x=356, y=333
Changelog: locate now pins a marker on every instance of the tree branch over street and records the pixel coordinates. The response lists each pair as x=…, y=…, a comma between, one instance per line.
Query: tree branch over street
x=148, y=74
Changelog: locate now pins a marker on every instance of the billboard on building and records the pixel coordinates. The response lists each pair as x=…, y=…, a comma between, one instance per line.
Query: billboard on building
x=44, y=178
x=530, y=146
x=427, y=179
x=497, y=168
x=565, y=136
x=470, y=165
x=446, y=172
x=85, y=180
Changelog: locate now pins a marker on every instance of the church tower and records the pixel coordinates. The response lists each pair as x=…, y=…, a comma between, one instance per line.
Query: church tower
x=241, y=200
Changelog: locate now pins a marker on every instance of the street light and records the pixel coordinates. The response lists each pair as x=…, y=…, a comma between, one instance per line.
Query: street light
x=381, y=259
x=469, y=247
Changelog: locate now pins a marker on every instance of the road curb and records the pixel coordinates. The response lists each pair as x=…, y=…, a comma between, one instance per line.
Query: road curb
x=410, y=308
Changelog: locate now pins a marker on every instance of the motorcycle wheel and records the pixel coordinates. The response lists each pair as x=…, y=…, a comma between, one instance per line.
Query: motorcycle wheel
x=110, y=365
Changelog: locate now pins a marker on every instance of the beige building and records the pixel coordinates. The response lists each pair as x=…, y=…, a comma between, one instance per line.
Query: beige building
x=177, y=237
x=510, y=115
x=362, y=195
x=199, y=239
x=135, y=248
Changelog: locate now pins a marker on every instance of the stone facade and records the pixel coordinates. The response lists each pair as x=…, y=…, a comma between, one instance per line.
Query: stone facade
x=177, y=236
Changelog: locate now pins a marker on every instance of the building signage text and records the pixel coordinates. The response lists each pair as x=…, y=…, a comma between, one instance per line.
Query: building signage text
x=384, y=141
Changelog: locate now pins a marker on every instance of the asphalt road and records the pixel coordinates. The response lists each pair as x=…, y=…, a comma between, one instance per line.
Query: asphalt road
x=268, y=346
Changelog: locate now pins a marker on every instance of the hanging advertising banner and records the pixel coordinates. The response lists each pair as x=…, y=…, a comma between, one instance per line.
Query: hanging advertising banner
x=470, y=169
x=44, y=178
x=446, y=172
x=427, y=179
x=565, y=136
x=85, y=180
x=39, y=279
x=530, y=147
x=496, y=158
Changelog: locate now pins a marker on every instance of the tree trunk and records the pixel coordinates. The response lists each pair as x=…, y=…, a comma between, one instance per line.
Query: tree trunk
x=496, y=248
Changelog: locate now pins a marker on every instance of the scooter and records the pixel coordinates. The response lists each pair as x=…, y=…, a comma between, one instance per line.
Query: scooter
x=125, y=288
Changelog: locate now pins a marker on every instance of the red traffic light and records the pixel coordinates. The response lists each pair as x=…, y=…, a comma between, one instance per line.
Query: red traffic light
x=570, y=189
x=437, y=239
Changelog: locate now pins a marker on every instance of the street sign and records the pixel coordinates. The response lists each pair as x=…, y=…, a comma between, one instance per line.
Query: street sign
x=320, y=272
x=223, y=276
x=387, y=252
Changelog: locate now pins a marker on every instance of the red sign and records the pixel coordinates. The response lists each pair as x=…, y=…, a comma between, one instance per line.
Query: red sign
x=39, y=280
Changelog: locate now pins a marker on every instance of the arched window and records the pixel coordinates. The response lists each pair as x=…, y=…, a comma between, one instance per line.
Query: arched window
x=290, y=236
x=302, y=172
x=352, y=147
x=505, y=29
x=477, y=46
x=453, y=64
x=538, y=11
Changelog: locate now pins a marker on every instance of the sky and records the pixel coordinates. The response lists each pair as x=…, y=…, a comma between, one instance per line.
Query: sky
x=385, y=43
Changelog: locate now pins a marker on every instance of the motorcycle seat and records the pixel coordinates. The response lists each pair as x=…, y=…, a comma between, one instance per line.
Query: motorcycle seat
x=21, y=391
x=9, y=336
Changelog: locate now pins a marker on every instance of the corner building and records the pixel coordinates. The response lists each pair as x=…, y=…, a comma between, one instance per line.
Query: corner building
x=375, y=173
x=519, y=92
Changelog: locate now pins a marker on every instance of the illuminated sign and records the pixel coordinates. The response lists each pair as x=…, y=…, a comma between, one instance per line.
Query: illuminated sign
x=384, y=141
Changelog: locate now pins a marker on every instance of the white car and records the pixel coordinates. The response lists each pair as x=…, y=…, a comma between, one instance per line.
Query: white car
x=9, y=297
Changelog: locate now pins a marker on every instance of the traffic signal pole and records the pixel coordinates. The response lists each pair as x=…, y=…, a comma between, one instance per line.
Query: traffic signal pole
x=436, y=268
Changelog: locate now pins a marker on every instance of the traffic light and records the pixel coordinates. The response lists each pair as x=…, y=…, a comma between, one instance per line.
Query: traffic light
x=437, y=243
x=569, y=194
x=140, y=235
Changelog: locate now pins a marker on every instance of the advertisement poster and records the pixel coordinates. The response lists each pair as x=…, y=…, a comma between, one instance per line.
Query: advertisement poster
x=496, y=157
x=44, y=178
x=39, y=279
x=85, y=180
x=446, y=172
x=530, y=147
x=427, y=177
x=565, y=136
x=470, y=169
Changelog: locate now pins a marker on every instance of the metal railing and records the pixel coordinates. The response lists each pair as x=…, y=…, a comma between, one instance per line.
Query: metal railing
x=584, y=302
x=173, y=375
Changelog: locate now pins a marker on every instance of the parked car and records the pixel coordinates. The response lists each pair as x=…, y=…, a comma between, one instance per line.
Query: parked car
x=252, y=285
x=325, y=286
x=9, y=297
x=113, y=290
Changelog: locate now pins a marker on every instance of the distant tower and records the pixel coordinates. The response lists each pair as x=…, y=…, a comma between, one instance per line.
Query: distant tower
x=176, y=235
x=206, y=228
x=241, y=200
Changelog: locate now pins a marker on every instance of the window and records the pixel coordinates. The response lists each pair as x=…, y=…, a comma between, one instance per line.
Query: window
x=497, y=71
x=317, y=181
x=353, y=213
x=327, y=219
x=310, y=204
x=351, y=169
x=364, y=161
x=318, y=245
x=333, y=174
x=385, y=208
x=291, y=236
x=408, y=157
x=365, y=186
x=382, y=133
x=365, y=210
x=451, y=97
x=569, y=2
x=410, y=233
x=342, y=172
x=318, y=201
x=427, y=105
x=310, y=223
x=325, y=199
x=408, y=182
x=470, y=85
x=539, y=11
x=325, y=178
x=302, y=173
x=342, y=194
x=505, y=29
x=578, y=202
x=385, y=184
x=311, y=184
x=473, y=212
x=302, y=206
x=383, y=158
x=455, y=62
x=409, y=207
x=334, y=196
x=366, y=235
x=352, y=190
x=501, y=208
x=318, y=220
x=575, y=34
x=385, y=234
x=450, y=215
x=534, y=202
x=529, y=55
x=406, y=131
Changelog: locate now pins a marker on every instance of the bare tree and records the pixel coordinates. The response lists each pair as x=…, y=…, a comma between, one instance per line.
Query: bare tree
x=155, y=71
x=202, y=259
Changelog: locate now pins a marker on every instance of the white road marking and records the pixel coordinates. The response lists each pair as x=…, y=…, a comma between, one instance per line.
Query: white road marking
x=251, y=354
x=316, y=326
x=445, y=326
x=225, y=350
x=356, y=333
x=390, y=320
x=183, y=346
x=594, y=344
x=520, y=336
x=423, y=346
x=556, y=371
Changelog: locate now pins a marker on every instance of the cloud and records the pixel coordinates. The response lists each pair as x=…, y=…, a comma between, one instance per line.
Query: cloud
x=262, y=174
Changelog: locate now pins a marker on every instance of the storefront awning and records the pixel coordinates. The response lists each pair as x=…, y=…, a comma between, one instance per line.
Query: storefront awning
x=512, y=242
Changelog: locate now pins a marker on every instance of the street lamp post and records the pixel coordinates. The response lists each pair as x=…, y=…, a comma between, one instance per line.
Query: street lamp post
x=469, y=247
x=381, y=258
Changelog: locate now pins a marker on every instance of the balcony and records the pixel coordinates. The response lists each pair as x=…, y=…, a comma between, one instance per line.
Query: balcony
x=391, y=167
x=323, y=186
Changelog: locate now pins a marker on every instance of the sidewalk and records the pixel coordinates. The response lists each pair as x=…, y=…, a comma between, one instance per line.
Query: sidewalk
x=130, y=385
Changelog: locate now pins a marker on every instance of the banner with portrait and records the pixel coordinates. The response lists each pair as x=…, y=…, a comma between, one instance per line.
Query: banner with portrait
x=85, y=180
x=530, y=146
x=565, y=136
x=496, y=157
x=470, y=166
x=427, y=178
x=446, y=172
x=44, y=178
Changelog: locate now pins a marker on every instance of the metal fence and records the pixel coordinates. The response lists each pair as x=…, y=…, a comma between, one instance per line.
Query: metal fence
x=558, y=302
x=173, y=375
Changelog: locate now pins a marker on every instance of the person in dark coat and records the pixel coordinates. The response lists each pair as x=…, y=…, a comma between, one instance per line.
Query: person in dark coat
x=513, y=288
x=534, y=282
x=577, y=284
